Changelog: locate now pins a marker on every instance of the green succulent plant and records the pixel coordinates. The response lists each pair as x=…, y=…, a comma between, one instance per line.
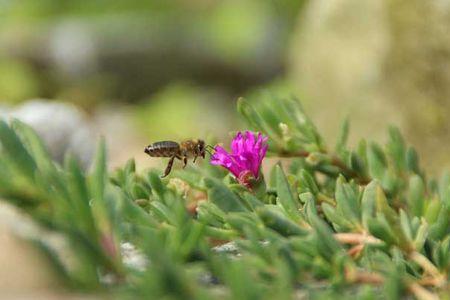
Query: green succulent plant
x=327, y=222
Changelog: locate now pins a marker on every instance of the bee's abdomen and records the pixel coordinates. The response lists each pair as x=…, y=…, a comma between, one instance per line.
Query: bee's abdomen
x=163, y=149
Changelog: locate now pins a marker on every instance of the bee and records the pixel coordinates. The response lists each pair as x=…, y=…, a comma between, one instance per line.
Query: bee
x=182, y=151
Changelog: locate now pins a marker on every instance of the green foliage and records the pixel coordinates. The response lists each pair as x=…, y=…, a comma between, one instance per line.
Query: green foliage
x=340, y=222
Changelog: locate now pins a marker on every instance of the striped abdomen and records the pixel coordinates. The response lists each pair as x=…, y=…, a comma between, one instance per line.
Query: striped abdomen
x=163, y=149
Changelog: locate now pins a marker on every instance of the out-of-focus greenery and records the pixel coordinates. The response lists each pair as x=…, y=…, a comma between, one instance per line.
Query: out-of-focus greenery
x=97, y=51
x=17, y=81
x=184, y=111
x=387, y=61
x=361, y=222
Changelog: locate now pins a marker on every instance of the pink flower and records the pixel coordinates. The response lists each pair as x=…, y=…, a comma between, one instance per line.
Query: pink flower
x=244, y=161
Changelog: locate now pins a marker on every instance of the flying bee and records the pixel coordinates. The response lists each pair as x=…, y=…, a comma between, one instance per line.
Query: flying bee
x=182, y=151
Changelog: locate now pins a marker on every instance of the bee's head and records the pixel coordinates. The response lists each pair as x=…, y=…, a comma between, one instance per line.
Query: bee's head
x=147, y=149
x=201, y=148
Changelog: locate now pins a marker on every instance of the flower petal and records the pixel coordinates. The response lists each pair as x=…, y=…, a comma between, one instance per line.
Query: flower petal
x=250, y=141
x=236, y=143
x=247, y=153
x=222, y=158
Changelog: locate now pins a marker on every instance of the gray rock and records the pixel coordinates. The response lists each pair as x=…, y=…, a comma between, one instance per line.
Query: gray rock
x=228, y=248
x=62, y=127
x=133, y=257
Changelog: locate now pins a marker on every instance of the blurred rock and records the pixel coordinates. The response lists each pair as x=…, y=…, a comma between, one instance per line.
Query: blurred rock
x=23, y=266
x=62, y=127
x=26, y=273
x=73, y=50
x=133, y=257
x=227, y=248
x=380, y=62
x=126, y=55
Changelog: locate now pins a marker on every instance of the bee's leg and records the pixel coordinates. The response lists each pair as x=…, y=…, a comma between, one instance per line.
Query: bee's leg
x=184, y=162
x=169, y=167
x=195, y=158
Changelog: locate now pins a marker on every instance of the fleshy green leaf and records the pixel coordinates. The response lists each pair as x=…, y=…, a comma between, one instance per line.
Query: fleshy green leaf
x=416, y=196
x=15, y=150
x=347, y=201
x=285, y=196
x=279, y=223
x=221, y=196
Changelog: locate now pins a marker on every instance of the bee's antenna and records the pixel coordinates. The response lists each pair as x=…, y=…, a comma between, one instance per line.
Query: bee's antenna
x=209, y=149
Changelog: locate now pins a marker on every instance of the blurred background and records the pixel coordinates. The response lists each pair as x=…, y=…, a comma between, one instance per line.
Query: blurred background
x=137, y=71
x=141, y=71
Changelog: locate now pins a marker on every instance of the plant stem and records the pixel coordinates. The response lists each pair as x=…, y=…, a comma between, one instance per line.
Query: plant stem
x=421, y=293
x=356, y=238
x=356, y=276
x=355, y=250
x=428, y=267
x=335, y=161
x=414, y=288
